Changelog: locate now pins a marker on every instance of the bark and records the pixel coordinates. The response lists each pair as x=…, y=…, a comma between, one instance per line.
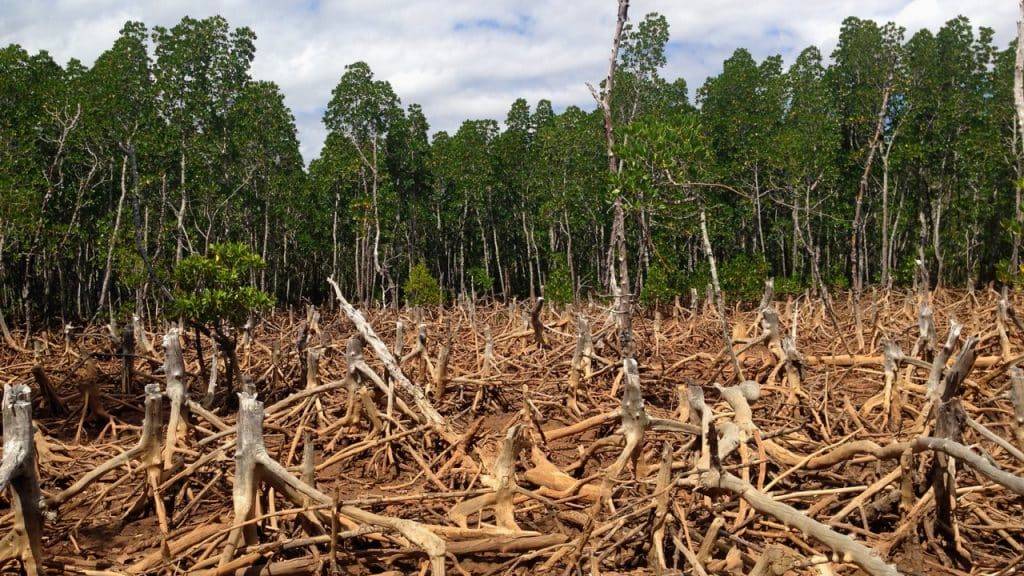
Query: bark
x=426, y=409
x=845, y=548
x=1018, y=104
x=177, y=392
x=113, y=236
x=18, y=470
x=719, y=301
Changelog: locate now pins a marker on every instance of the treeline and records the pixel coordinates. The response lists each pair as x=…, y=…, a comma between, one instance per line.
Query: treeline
x=891, y=150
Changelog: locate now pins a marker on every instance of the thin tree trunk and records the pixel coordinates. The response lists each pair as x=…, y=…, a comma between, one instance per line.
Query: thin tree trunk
x=1018, y=102
x=113, y=235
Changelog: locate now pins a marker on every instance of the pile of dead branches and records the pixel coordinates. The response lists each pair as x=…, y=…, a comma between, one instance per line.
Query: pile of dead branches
x=521, y=438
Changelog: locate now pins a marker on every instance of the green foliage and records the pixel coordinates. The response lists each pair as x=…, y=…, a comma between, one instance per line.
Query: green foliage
x=742, y=277
x=1006, y=274
x=790, y=286
x=214, y=289
x=558, y=288
x=421, y=288
x=903, y=275
x=659, y=285
x=836, y=278
x=172, y=118
x=480, y=280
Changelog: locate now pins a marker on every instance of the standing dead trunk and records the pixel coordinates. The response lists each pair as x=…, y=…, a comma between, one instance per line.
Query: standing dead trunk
x=537, y=324
x=18, y=469
x=127, y=359
x=617, y=244
x=1017, y=398
x=719, y=301
x=1018, y=103
x=253, y=466
x=949, y=422
x=177, y=393
x=54, y=405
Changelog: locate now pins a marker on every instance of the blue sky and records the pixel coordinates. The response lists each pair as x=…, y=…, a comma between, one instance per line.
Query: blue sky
x=471, y=58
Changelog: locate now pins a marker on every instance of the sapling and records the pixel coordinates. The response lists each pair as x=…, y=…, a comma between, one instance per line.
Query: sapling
x=213, y=296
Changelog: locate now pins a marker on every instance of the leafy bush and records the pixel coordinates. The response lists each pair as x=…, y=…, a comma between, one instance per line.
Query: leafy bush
x=697, y=279
x=559, y=285
x=212, y=290
x=836, y=278
x=480, y=280
x=422, y=289
x=742, y=277
x=789, y=286
x=903, y=275
x=659, y=286
x=1006, y=274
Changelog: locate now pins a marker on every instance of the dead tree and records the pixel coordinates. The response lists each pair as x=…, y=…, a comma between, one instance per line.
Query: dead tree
x=576, y=365
x=1017, y=399
x=253, y=466
x=617, y=244
x=141, y=337
x=127, y=342
x=440, y=372
x=719, y=301
x=516, y=441
x=92, y=397
x=1018, y=104
x=634, y=419
x=177, y=393
x=423, y=405
x=844, y=547
x=537, y=324
x=54, y=404
x=146, y=452
x=18, y=470
x=949, y=422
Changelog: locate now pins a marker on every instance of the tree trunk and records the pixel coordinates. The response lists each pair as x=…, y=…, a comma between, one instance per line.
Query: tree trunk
x=1018, y=102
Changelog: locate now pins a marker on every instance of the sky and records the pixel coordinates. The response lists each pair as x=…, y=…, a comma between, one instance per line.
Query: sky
x=463, y=59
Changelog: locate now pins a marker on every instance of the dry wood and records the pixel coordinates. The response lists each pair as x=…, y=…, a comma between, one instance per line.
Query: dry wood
x=530, y=489
x=18, y=470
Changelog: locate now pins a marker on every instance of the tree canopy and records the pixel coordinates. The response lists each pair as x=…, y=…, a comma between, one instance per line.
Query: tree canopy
x=896, y=147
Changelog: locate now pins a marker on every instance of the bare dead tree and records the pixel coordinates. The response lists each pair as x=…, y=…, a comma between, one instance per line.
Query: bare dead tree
x=18, y=470
x=719, y=300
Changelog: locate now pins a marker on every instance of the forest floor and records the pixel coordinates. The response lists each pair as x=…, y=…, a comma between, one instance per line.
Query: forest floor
x=529, y=474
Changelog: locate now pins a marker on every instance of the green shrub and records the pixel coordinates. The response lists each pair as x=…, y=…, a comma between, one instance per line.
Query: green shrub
x=422, y=289
x=836, y=278
x=742, y=277
x=903, y=275
x=789, y=286
x=659, y=286
x=212, y=290
x=1006, y=274
x=480, y=280
x=559, y=285
x=698, y=279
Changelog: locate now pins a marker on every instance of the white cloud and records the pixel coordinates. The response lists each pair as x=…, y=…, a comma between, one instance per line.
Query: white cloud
x=465, y=58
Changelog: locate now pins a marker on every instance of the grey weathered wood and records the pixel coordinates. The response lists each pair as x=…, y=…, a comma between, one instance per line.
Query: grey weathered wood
x=18, y=470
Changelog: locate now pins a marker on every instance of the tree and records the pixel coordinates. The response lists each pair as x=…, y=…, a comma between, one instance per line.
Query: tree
x=421, y=289
x=214, y=295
